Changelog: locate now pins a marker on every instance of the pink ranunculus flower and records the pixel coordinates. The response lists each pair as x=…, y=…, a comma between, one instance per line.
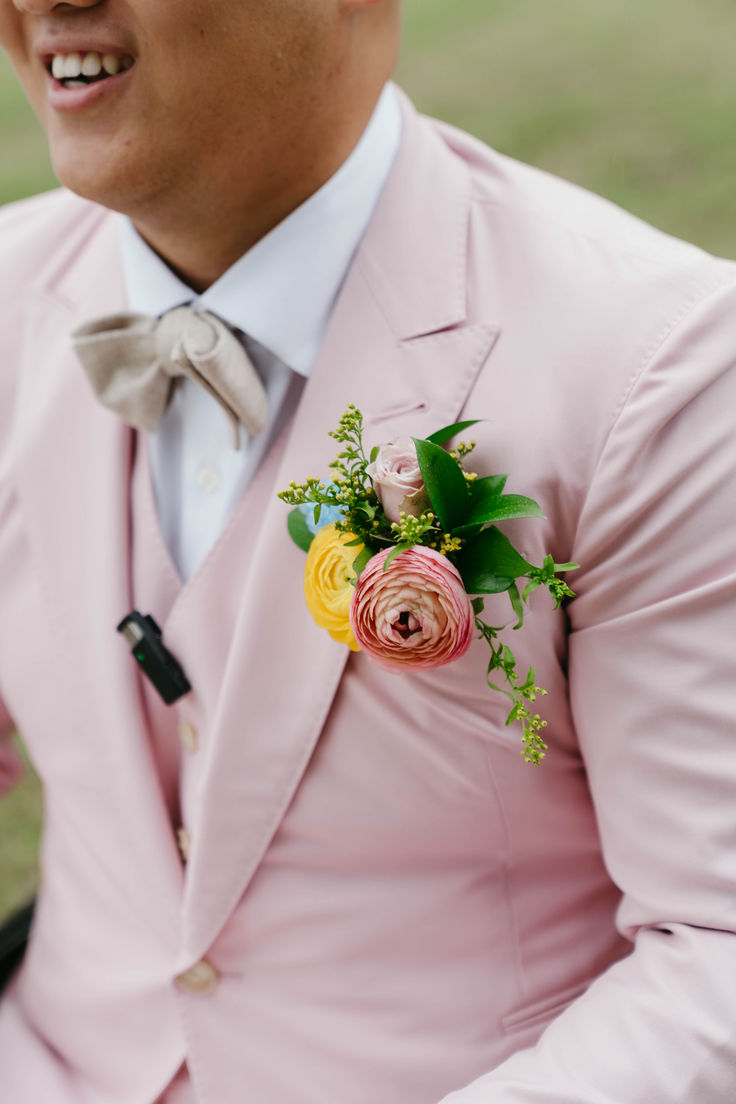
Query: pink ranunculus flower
x=398, y=481
x=416, y=613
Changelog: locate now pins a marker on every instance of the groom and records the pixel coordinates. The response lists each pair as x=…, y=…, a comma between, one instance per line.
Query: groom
x=307, y=879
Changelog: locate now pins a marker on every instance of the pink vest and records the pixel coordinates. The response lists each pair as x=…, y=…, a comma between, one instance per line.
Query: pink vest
x=179, y=747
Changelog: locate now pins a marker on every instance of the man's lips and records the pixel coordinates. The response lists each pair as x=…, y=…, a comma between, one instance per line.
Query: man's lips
x=76, y=79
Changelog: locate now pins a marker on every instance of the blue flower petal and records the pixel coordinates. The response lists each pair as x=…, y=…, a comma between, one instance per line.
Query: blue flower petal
x=328, y=515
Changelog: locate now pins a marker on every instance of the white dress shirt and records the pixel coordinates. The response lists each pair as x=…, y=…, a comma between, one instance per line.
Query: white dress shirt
x=280, y=295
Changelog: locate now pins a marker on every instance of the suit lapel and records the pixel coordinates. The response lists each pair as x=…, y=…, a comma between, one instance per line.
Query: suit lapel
x=73, y=463
x=401, y=349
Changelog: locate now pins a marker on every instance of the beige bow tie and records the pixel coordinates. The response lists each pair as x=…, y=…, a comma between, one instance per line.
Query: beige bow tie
x=133, y=362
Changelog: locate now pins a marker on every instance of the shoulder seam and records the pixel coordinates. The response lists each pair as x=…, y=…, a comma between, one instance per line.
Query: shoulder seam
x=687, y=307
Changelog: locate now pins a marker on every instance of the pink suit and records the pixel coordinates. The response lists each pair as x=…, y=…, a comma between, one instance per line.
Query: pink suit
x=392, y=904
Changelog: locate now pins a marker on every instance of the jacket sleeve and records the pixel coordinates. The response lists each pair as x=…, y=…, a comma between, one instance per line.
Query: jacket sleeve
x=11, y=764
x=653, y=690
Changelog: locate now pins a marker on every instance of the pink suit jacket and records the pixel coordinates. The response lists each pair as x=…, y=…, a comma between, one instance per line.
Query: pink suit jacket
x=397, y=907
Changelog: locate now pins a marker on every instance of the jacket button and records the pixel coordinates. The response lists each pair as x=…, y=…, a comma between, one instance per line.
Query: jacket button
x=200, y=979
x=188, y=736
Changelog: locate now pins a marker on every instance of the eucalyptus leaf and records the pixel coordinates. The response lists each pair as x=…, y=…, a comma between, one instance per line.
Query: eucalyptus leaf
x=445, y=484
x=299, y=530
x=490, y=563
x=442, y=436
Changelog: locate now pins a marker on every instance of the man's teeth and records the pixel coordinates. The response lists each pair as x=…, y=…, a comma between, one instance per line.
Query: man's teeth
x=92, y=65
x=69, y=67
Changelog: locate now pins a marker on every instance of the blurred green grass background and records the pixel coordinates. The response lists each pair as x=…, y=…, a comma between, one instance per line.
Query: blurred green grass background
x=635, y=99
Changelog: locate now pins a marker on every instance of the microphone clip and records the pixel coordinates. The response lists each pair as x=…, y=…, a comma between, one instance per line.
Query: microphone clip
x=153, y=657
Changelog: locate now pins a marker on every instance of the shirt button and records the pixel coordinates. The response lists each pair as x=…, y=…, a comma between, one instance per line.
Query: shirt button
x=199, y=980
x=188, y=736
x=209, y=478
x=185, y=842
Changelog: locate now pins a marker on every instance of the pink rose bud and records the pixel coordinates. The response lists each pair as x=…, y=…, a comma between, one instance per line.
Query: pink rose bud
x=398, y=481
x=416, y=613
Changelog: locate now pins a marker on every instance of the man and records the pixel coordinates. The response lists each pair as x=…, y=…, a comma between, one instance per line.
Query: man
x=373, y=897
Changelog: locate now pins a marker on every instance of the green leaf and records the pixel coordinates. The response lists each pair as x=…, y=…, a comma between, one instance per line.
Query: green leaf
x=566, y=567
x=516, y=604
x=442, y=436
x=489, y=487
x=502, y=508
x=396, y=551
x=477, y=604
x=530, y=587
x=361, y=560
x=374, y=453
x=299, y=531
x=501, y=690
x=317, y=513
x=530, y=679
x=490, y=563
x=445, y=484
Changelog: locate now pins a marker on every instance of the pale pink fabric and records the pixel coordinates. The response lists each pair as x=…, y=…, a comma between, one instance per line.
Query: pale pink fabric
x=180, y=1091
x=396, y=904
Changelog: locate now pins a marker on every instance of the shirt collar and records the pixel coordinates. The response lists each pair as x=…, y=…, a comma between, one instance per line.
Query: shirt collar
x=282, y=291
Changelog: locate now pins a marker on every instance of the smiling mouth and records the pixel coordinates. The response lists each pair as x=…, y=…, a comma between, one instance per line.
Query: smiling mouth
x=77, y=70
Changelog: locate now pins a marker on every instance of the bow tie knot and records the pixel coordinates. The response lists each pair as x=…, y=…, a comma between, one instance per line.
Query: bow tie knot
x=134, y=362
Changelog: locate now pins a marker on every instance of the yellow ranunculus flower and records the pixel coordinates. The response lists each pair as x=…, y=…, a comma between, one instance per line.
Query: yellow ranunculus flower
x=327, y=585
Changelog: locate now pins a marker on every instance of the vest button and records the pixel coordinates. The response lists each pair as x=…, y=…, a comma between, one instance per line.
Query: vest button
x=199, y=980
x=189, y=736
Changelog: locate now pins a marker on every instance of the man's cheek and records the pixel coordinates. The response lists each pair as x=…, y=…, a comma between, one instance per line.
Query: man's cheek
x=11, y=32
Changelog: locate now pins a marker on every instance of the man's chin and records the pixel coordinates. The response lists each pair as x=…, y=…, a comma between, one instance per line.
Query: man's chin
x=100, y=182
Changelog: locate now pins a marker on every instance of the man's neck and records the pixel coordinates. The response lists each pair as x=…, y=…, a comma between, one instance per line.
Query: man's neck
x=202, y=235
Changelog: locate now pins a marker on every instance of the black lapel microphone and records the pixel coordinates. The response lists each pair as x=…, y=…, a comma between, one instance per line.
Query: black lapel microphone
x=154, y=658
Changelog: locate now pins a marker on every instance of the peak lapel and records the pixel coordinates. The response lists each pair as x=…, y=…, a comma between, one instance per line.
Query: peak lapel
x=400, y=349
x=73, y=461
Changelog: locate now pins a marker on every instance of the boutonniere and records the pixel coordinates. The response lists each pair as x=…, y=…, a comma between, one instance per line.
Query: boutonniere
x=402, y=545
